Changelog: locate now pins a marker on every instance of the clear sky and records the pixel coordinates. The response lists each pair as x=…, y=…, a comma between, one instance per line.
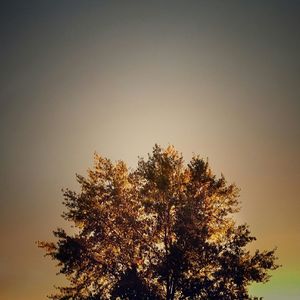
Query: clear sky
x=216, y=78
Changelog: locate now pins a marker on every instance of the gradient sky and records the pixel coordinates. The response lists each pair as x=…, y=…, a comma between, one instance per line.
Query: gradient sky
x=216, y=78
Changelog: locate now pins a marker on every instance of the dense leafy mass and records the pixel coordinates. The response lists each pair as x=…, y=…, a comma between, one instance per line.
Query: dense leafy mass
x=162, y=231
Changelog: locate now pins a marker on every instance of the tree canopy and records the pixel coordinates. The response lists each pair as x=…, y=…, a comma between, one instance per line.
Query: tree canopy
x=162, y=231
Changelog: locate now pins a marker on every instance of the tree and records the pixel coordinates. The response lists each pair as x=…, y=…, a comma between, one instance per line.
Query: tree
x=162, y=231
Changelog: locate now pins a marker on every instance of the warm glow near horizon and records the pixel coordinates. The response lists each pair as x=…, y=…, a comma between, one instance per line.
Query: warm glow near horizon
x=216, y=79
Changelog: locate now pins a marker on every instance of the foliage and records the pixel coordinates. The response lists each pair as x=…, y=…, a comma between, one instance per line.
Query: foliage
x=162, y=231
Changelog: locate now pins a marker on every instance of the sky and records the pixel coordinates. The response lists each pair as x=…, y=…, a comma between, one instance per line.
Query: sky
x=215, y=78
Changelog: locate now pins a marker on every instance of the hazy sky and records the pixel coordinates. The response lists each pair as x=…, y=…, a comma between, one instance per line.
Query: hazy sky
x=216, y=78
